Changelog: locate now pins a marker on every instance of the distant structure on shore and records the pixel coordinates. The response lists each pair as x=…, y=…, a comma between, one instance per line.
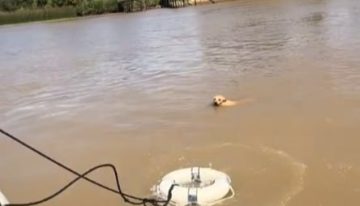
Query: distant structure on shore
x=140, y=5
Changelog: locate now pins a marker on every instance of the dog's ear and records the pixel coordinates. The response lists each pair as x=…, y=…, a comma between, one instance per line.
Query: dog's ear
x=224, y=100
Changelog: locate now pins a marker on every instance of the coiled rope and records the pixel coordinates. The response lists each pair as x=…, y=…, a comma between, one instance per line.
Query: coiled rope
x=126, y=197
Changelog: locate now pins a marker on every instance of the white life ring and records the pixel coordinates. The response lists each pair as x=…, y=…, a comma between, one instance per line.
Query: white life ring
x=213, y=186
x=3, y=200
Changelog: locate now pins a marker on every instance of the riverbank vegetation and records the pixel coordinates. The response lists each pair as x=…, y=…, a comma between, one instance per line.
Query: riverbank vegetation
x=26, y=15
x=15, y=11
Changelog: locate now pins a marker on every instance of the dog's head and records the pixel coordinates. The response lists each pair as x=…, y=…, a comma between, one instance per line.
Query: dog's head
x=218, y=100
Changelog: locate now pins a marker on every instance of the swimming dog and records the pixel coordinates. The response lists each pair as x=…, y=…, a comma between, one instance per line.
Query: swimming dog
x=220, y=100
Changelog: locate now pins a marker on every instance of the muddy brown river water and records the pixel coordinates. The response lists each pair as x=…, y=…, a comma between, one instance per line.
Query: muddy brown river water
x=134, y=90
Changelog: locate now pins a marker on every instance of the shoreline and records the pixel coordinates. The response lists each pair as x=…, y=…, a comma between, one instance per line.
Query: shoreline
x=24, y=19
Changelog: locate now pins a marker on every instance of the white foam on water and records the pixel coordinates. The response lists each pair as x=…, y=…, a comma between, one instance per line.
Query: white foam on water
x=253, y=161
x=298, y=172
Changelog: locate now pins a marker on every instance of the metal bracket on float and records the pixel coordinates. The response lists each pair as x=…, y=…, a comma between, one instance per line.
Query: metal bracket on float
x=195, y=175
x=192, y=196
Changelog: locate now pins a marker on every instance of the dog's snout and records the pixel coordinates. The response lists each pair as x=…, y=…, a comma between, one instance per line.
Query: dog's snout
x=218, y=100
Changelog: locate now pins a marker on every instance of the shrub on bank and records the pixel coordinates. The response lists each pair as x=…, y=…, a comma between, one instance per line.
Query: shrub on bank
x=137, y=5
x=152, y=3
x=26, y=15
x=15, y=11
x=87, y=7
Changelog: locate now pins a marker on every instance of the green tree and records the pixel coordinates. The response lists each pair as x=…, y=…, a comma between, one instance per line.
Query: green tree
x=41, y=3
x=8, y=5
x=58, y=3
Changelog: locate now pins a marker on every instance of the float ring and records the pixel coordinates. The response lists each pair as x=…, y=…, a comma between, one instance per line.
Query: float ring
x=3, y=200
x=196, y=186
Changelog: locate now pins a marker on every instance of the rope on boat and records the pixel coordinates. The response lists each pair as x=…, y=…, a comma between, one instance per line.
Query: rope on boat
x=133, y=200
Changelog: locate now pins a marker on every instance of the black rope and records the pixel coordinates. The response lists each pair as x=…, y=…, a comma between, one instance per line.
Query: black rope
x=126, y=197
